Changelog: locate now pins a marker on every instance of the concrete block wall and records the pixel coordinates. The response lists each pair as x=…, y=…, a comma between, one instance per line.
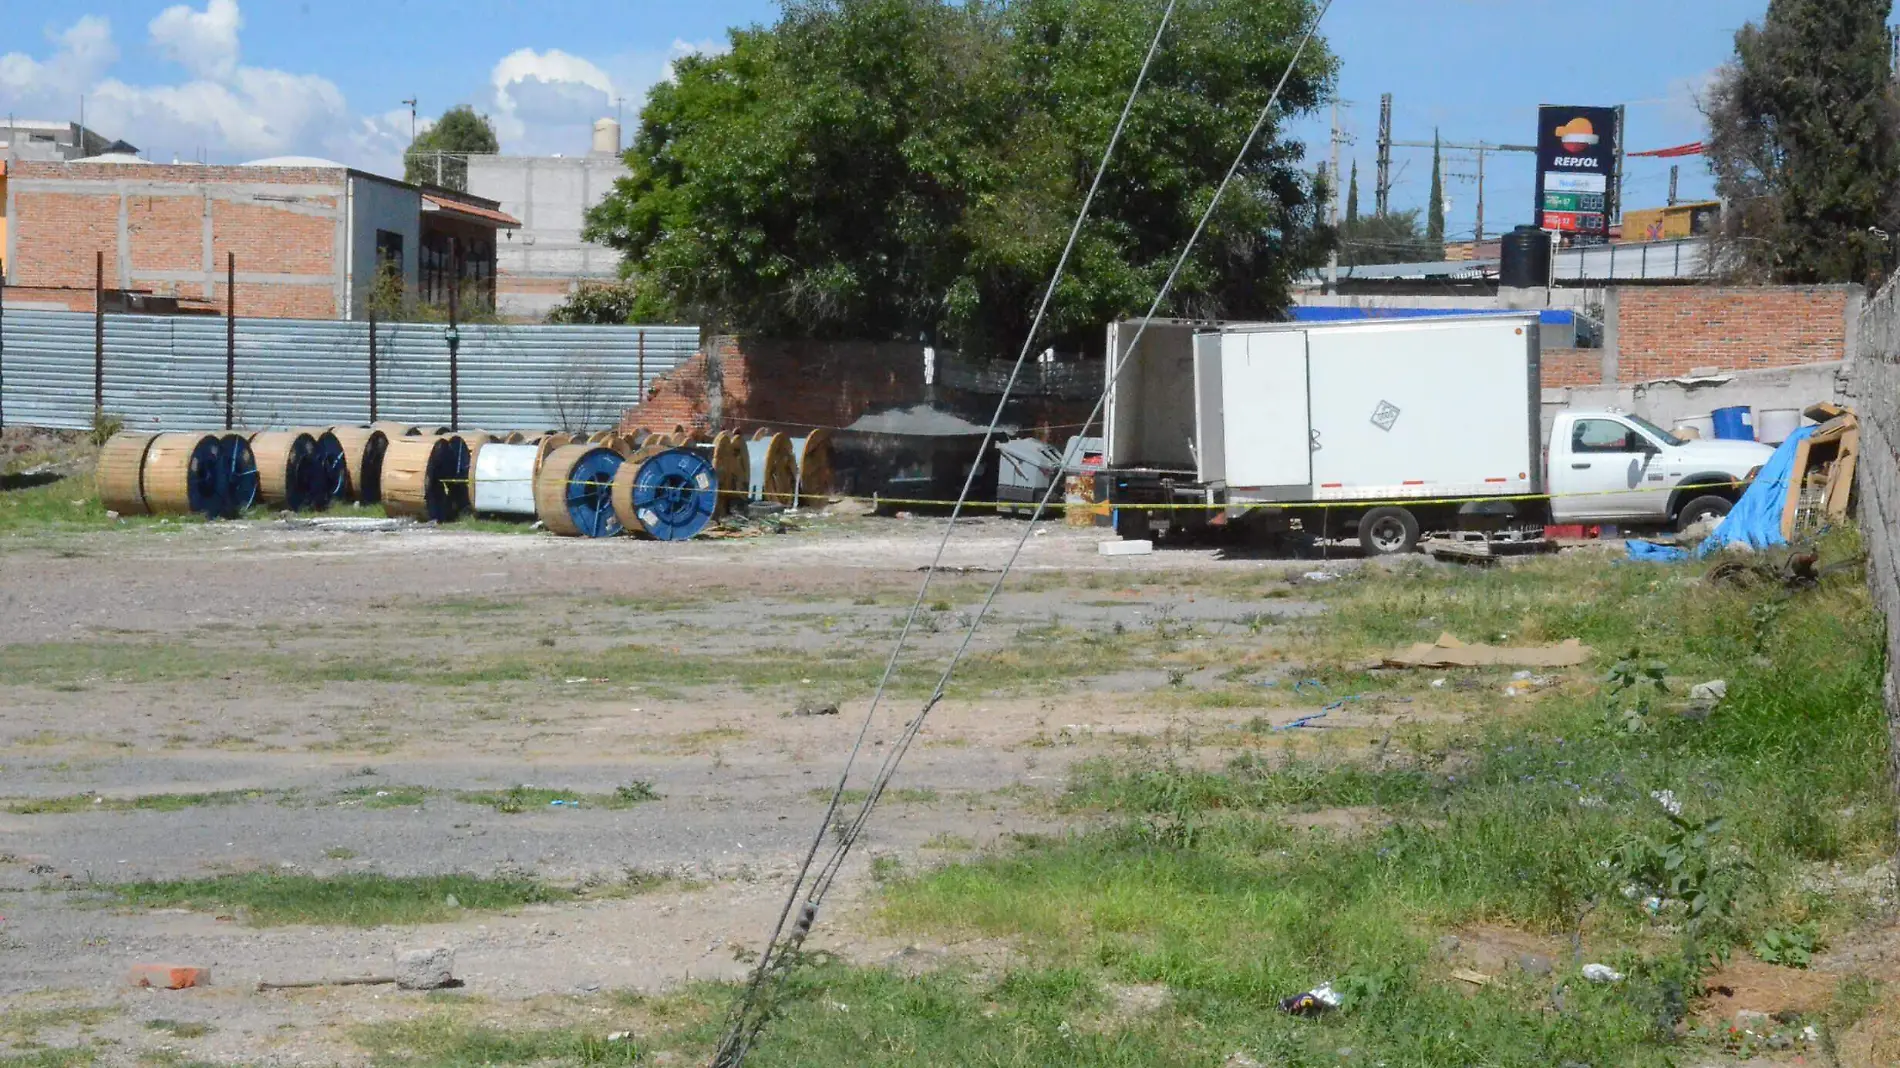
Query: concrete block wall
x=167, y=229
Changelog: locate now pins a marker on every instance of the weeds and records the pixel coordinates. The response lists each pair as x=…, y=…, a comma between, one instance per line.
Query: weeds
x=271, y=900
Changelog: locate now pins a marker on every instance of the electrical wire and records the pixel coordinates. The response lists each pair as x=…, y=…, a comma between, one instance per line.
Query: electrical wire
x=895, y=754
x=748, y=1018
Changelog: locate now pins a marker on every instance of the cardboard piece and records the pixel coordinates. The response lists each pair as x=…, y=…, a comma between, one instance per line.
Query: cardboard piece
x=1448, y=651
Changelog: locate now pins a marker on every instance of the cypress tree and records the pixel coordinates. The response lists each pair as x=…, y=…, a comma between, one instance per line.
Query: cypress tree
x=1435, y=211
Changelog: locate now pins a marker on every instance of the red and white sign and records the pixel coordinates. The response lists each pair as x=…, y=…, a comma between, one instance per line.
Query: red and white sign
x=1573, y=222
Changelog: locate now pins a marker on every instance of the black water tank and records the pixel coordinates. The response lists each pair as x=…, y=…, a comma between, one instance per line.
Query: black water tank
x=1525, y=259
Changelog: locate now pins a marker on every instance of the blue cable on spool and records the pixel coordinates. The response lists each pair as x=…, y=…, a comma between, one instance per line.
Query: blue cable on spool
x=590, y=494
x=203, y=484
x=236, y=469
x=449, y=468
x=325, y=471
x=674, y=494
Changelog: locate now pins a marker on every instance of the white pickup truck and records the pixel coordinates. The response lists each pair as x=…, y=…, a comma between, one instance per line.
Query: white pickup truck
x=1613, y=467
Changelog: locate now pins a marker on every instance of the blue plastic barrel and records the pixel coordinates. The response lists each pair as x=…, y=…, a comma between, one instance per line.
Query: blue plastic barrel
x=1734, y=424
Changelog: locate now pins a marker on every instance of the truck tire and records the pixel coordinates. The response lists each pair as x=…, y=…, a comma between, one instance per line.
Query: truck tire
x=1701, y=508
x=1388, y=531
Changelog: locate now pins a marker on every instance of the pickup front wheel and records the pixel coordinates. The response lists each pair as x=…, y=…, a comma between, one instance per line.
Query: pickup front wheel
x=1700, y=509
x=1388, y=531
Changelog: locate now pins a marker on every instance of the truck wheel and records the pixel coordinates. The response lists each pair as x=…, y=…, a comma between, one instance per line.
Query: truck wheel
x=1702, y=508
x=1388, y=531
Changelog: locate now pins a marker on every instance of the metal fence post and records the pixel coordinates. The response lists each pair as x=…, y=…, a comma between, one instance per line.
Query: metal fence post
x=99, y=331
x=372, y=365
x=230, y=339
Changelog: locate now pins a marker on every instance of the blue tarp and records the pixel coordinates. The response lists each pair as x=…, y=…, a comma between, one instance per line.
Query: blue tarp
x=1755, y=521
x=1304, y=313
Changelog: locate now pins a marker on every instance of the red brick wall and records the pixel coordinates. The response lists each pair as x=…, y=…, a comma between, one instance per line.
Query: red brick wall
x=798, y=385
x=1666, y=331
x=57, y=231
x=1572, y=367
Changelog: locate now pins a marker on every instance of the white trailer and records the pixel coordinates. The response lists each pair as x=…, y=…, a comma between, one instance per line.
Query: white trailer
x=1397, y=427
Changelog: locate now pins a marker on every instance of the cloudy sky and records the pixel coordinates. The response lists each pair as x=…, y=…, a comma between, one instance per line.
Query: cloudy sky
x=231, y=80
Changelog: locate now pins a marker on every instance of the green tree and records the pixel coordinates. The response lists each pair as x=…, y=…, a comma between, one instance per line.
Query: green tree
x=1802, y=144
x=1435, y=210
x=896, y=169
x=1395, y=237
x=439, y=155
x=1352, y=196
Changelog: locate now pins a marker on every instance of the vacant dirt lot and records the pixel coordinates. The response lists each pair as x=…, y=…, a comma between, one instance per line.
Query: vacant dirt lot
x=187, y=701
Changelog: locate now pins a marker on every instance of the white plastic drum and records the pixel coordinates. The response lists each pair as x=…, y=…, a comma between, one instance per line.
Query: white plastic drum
x=1703, y=425
x=504, y=479
x=1773, y=425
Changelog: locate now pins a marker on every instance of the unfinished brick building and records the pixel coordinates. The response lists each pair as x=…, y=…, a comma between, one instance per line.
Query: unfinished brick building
x=309, y=236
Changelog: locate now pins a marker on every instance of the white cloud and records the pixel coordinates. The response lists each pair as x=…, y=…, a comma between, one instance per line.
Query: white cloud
x=541, y=101
x=203, y=42
x=81, y=53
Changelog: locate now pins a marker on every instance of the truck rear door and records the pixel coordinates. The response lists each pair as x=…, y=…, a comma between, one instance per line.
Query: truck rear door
x=1264, y=428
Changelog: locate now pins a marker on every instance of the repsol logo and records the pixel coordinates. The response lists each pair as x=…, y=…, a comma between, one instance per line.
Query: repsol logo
x=1576, y=161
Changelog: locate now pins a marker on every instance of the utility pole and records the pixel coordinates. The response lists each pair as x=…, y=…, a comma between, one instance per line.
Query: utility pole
x=1332, y=260
x=438, y=167
x=1382, y=190
x=412, y=117
x=1480, y=234
x=1674, y=172
x=1616, y=209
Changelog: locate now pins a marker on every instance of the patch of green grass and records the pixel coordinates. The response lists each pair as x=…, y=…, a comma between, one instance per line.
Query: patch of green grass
x=49, y=1058
x=67, y=663
x=447, y=1040
x=271, y=900
x=340, y=853
x=379, y=797
x=518, y=799
x=911, y=795
x=43, y=806
x=1536, y=822
x=25, y=1023
x=180, y=1028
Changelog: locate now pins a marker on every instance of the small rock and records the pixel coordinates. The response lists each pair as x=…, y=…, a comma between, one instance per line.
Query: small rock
x=452, y=901
x=1534, y=964
x=1712, y=690
x=1779, y=1040
x=110, y=514
x=425, y=969
x=1602, y=973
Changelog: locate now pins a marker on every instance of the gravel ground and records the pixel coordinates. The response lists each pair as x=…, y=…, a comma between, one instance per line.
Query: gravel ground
x=173, y=660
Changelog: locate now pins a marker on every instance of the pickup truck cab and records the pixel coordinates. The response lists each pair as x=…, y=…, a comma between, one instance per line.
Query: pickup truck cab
x=1614, y=467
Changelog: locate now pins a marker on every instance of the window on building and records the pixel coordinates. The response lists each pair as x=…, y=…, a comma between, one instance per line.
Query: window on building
x=388, y=250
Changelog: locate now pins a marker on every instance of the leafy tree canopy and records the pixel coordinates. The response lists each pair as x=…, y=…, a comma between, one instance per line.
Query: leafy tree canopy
x=1395, y=237
x=1802, y=128
x=459, y=130
x=896, y=169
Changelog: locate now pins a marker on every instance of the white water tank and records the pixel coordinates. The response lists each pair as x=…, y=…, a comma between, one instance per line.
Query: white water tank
x=607, y=137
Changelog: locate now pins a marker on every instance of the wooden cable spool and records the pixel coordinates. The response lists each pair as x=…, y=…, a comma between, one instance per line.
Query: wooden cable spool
x=363, y=449
x=548, y=444
x=600, y=437
x=515, y=437
x=814, y=467
x=281, y=456
x=426, y=477
x=394, y=430
x=180, y=475
x=781, y=471
x=668, y=495
x=121, y=463
x=734, y=469
x=573, y=493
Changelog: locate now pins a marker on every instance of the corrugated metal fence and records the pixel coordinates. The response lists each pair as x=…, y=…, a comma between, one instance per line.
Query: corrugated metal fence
x=168, y=372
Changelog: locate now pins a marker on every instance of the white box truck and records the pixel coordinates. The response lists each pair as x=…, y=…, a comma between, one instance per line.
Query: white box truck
x=1400, y=427
x=1385, y=430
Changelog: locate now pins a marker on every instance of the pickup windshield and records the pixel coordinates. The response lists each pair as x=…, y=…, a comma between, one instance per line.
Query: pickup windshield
x=1653, y=430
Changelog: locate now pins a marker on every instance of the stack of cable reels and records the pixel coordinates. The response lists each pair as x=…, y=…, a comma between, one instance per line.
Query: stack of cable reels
x=573, y=491
x=120, y=472
x=181, y=475
x=392, y=431
x=363, y=448
x=548, y=443
x=426, y=477
x=283, y=477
